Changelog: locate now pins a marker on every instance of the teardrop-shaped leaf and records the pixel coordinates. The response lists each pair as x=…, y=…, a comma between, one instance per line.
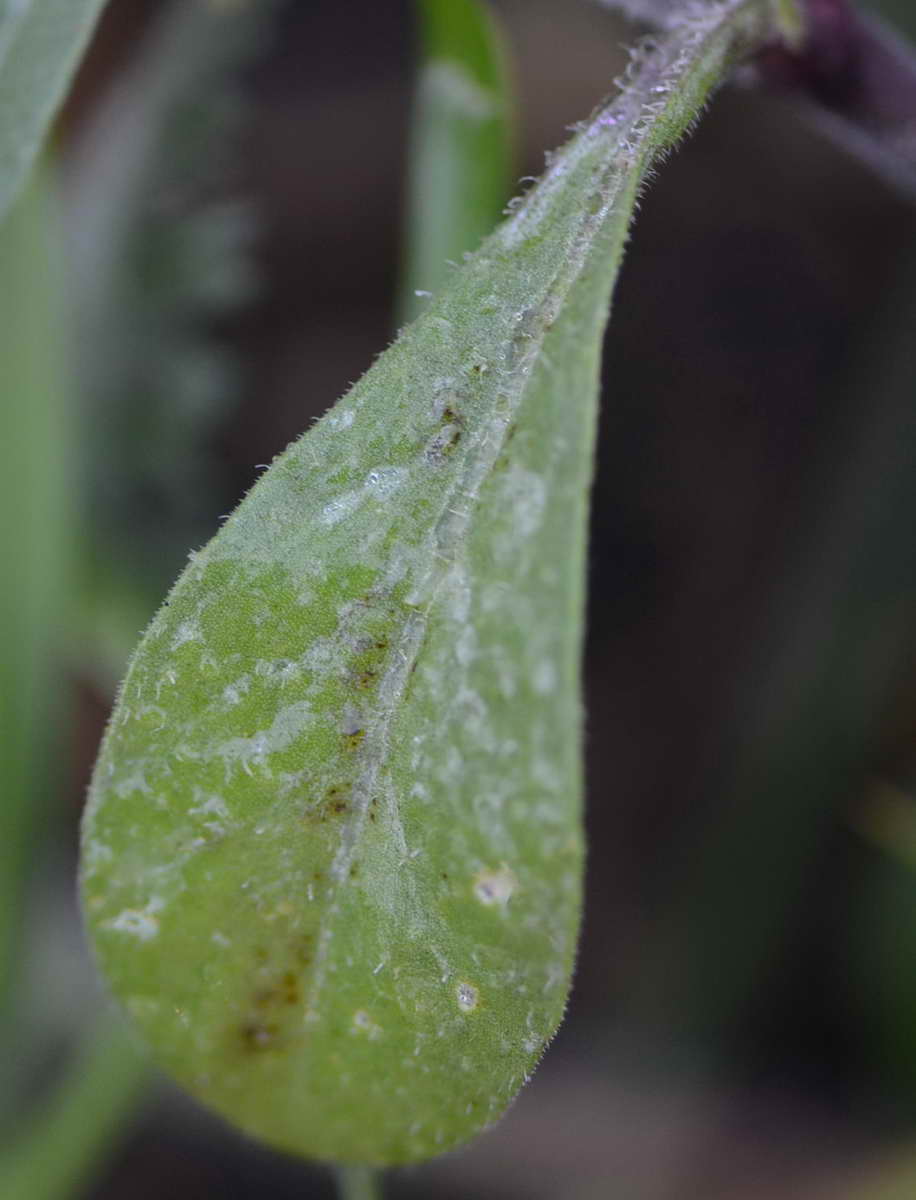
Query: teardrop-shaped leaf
x=333, y=851
x=40, y=45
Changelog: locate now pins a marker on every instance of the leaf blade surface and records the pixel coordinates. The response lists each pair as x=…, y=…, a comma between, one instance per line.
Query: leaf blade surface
x=333, y=851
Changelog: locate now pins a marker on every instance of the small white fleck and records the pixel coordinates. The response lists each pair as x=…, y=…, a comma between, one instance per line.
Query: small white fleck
x=214, y=805
x=134, y=782
x=363, y=1023
x=467, y=997
x=352, y=721
x=544, y=678
x=341, y=419
x=495, y=887
x=342, y=507
x=138, y=922
x=385, y=480
x=187, y=631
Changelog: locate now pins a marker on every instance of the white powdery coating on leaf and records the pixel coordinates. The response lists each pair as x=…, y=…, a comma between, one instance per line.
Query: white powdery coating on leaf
x=209, y=806
x=289, y=724
x=381, y=482
x=140, y=923
x=340, y=508
x=544, y=678
x=340, y=418
x=525, y=495
x=495, y=887
x=467, y=996
x=188, y=631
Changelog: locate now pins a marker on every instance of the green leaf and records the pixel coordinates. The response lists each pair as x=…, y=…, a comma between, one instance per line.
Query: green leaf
x=460, y=143
x=332, y=855
x=35, y=528
x=57, y=1151
x=40, y=45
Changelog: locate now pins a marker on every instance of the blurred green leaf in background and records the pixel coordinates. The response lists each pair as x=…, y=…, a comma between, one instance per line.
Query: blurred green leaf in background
x=461, y=142
x=38, y=526
x=40, y=45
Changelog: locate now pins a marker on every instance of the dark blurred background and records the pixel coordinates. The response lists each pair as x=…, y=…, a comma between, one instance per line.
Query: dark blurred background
x=743, y=1023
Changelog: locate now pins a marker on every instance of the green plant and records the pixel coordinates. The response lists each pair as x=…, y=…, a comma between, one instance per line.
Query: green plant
x=335, y=823
x=334, y=833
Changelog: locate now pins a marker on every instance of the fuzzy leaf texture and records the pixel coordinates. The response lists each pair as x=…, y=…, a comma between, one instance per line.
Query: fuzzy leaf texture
x=40, y=45
x=332, y=856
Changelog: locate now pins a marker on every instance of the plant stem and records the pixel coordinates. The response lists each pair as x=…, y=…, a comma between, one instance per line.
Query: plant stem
x=359, y=1183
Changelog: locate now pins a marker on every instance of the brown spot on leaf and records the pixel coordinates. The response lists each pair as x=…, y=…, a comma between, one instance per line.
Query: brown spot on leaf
x=290, y=986
x=334, y=803
x=257, y=1036
x=302, y=948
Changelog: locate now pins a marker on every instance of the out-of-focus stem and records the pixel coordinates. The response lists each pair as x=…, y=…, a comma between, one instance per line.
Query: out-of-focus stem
x=36, y=504
x=460, y=145
x=57, y=1151
x=359, y=1183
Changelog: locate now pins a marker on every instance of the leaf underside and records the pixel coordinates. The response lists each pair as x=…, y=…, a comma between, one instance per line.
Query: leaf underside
x=332, y=856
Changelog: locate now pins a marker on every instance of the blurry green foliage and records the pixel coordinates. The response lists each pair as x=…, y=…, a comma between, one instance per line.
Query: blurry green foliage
x=37, y=532
x=460, y=154
x=40, y=45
